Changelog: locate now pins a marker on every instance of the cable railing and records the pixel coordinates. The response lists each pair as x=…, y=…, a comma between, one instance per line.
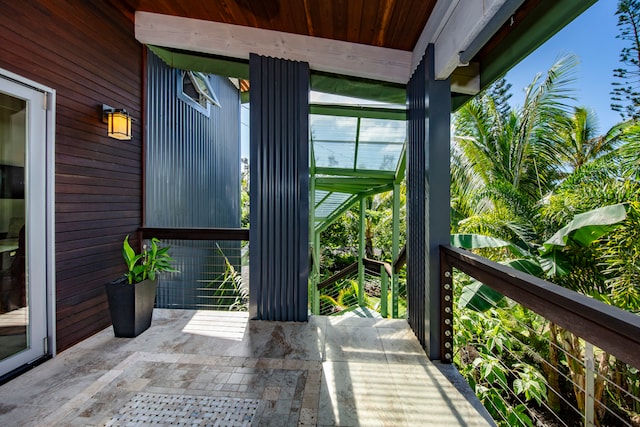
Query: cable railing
x=212, y=264
x=343, y=291
x=543, y=356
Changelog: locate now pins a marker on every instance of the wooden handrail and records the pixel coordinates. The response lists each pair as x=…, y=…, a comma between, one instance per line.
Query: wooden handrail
x=371, y=265
x=351, y=268
x=614, y=330
x=194, y=233
x=401, y=260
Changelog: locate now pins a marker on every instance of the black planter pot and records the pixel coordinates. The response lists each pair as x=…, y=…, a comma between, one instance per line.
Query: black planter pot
x=131, y=306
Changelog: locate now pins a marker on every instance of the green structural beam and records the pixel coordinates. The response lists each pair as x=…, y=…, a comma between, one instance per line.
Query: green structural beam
x=363, y=173
x=360, y=111
x=402, y=165
x=336, y=214
x=210, y=64
x=355, y=181
x=355, y=87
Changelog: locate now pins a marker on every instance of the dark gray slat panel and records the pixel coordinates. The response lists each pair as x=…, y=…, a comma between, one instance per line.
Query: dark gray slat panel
x=416, y=186
x=428, y=189
x=279, y=225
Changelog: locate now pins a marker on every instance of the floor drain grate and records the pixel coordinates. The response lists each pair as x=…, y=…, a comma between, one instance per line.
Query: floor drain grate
x=183, y=410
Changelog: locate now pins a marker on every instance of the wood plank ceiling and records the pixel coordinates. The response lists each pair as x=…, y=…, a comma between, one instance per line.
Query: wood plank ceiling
x=395, y=24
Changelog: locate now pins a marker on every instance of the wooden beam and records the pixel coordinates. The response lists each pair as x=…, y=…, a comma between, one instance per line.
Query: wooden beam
x=194, y=233
x=436, y=22
x=237, y=41
x=452, y=27
x=466, y=79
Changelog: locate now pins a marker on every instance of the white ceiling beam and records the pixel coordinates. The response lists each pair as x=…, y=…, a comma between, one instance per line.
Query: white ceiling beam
x=236, y=41
x=437, y=20
x=452, y=27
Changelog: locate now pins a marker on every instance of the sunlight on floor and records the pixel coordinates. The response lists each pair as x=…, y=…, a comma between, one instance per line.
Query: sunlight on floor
x=219, y=324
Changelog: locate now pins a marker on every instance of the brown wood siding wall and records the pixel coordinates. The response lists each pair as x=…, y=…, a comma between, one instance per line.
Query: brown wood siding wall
x=87, y=52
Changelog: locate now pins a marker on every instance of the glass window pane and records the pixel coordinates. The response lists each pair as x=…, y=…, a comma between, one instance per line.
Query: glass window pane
x=330, y=204
x=14, y=312
x=334, y=154
x=332, y=128
x=383, y=130
x=379, y=156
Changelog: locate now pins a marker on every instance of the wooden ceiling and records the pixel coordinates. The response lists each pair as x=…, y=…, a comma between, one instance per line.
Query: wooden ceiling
x=395, y=24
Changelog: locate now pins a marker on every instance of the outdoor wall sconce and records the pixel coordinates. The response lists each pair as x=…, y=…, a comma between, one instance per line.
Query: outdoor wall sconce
x=118, y=122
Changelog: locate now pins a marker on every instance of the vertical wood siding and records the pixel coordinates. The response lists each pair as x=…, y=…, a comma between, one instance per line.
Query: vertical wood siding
x=279, y=189
x=87, y=52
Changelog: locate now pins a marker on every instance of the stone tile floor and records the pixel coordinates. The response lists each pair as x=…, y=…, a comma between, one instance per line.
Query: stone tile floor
x=197, y=368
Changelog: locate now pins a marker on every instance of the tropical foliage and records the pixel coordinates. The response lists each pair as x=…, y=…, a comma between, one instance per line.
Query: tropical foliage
x=539, y=189
x=147, y=264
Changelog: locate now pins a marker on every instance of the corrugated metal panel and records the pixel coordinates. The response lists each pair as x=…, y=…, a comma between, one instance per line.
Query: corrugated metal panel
x=416, y=195
x=192, y=171
x=279, y=189
x=193, y=161
x=428, y=186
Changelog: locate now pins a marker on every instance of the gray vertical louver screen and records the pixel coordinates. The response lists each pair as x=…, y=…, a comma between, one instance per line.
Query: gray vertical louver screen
x=416, y=195
x=192, y=178
x=279, y=189
x=428, y=186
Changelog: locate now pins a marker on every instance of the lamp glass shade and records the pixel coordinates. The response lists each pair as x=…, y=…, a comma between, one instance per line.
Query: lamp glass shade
x=119, y=125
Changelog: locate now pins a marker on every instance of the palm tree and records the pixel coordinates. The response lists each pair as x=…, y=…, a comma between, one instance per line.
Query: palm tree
x=582, y=142
x=507, y=160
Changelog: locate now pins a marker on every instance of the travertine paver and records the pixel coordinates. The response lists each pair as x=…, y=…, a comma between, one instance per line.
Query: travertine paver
x=196, y=368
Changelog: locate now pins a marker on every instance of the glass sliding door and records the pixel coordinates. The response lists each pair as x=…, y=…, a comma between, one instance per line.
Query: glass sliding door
x=22, y=225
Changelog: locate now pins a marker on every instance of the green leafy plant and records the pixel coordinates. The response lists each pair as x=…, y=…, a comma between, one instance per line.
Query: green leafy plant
x=230, y=293
x=147, y=264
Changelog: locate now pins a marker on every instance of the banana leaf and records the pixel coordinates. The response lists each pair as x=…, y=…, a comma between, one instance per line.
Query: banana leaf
x=479, y=241
x=479, y=297
x=587, y=227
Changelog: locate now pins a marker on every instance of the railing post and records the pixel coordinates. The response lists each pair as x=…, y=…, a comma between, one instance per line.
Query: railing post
x=446, y=309
x=589, y=386
x=395, y=244
x=316, y=273
x=361, y=244
x=313, y=237
x=384, y=292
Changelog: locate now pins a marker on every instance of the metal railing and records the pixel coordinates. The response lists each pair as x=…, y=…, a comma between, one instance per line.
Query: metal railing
x=341, y=292
x=545, y=354
x=212, y=264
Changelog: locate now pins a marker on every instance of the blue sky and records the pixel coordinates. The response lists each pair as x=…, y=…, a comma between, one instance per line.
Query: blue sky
x=592, y=37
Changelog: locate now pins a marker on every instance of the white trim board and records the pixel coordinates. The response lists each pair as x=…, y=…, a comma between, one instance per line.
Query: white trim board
x=452, y=27
x=235, y=41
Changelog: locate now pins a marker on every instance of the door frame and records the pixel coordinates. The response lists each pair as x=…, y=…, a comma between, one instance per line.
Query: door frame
x=50, y=269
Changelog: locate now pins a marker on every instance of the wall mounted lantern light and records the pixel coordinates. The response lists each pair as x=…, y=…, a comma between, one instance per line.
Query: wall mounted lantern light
x=118, y=122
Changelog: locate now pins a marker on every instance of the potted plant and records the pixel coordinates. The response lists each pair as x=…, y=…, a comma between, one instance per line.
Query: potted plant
x=132, y=297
